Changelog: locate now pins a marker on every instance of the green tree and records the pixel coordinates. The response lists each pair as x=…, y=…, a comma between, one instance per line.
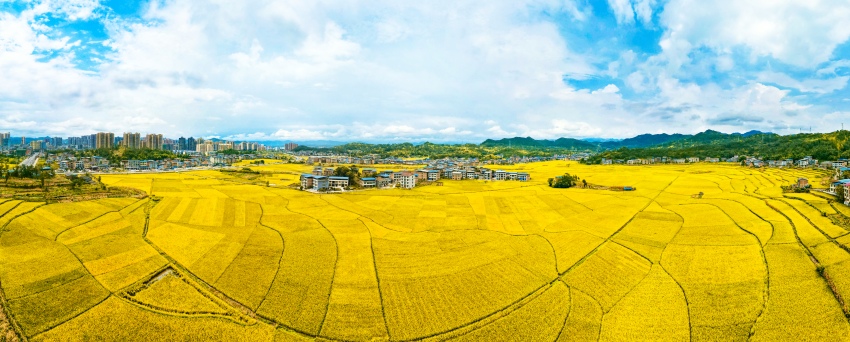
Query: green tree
x=565, y=181
x=76, y=181
x=352, y=172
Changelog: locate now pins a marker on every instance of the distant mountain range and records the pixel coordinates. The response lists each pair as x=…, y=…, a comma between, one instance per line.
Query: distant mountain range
x=822, y=146
x=640, y=141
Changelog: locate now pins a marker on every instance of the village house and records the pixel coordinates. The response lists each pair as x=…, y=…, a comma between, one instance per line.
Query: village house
x=500, y=175
x=383, y=180
x=485, y=174
x=693, y=160
x=835, y=186
x=337, y=182
x=421, y=175
x=368, y=182
x=405, y=179
x=306, y=181
x=320, y=183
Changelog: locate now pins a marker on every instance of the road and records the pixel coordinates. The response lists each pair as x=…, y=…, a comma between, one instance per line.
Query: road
x=31, y=160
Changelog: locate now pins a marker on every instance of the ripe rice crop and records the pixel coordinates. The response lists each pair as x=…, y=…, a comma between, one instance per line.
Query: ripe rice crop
x=639, y=317
x=609, y=274
x=797, y=294
x=584, y=320
x=117, y=319
x=470, y=260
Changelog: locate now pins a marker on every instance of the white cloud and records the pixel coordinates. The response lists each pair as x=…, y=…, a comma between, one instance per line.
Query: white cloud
x=440, y=71
x=821, y=86
x=622, y=11
x=644, y=9
x=802, y=33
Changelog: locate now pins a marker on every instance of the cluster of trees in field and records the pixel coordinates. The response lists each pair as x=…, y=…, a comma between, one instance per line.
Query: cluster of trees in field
x=566, y=181
x=25, y=172
x=352, y=172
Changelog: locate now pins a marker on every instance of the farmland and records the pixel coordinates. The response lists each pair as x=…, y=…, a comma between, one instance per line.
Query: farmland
x=214, y=256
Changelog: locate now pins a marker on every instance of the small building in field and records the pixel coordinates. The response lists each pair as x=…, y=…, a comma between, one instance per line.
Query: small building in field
x=368, y=182
x=523, y=177
x=421, y=175
x=337, y=182
x=836, y=186
x=802, y=182
x=383, y=180
x=433, y=175
x=306, y=181
x=320, y=183
x=405, y=179
x=846, y=188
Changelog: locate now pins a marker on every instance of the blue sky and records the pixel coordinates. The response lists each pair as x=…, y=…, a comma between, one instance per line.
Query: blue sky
x=450, y=71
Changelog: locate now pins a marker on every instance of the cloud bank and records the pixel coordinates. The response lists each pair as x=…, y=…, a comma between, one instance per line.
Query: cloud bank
x=438, y=70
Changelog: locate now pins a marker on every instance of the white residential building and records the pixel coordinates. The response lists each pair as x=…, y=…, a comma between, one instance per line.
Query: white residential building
x=405, y=179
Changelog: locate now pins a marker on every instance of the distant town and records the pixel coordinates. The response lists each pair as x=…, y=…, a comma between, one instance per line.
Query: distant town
x=67, y=154
x=102, y=152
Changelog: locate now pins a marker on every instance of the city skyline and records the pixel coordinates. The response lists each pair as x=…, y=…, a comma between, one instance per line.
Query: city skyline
x=442, y=72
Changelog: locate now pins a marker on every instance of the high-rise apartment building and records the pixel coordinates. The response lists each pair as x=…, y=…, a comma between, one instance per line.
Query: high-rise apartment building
x=55, y=142
x=181, y=144
x=190, y=144
x=104, y=140
x=132, y=140
x=4, y=139
x=153, y=141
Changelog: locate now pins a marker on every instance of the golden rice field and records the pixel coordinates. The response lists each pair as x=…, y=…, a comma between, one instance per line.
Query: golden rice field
x=208, y=257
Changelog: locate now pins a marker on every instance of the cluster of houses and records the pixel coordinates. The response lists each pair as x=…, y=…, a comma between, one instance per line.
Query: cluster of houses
x=67, y=162
x=667, y=160
x=807, y=161
x=322, y=178
x=373, y=159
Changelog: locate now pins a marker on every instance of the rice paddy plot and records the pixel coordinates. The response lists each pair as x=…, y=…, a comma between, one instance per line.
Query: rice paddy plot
x=469, y=260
